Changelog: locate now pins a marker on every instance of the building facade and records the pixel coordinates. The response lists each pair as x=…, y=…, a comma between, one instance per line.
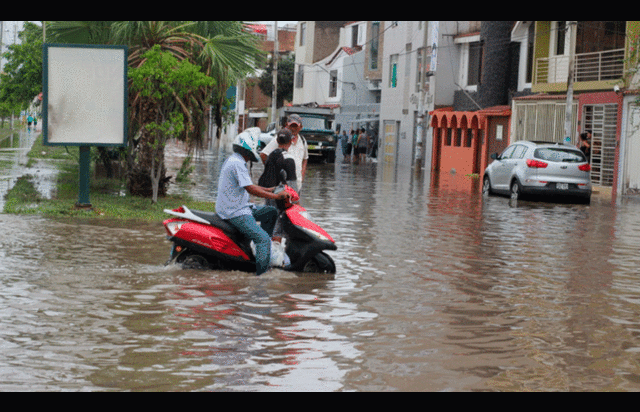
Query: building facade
x=337, y=67
x=418, y=75
x=586, y=63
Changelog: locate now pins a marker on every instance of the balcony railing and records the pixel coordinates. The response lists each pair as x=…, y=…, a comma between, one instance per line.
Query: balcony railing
x=604, y=65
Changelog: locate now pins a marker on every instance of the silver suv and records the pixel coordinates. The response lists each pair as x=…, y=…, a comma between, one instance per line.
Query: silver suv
x=540, y=168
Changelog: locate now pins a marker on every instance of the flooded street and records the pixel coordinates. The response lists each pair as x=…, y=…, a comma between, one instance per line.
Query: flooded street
x=437, y=289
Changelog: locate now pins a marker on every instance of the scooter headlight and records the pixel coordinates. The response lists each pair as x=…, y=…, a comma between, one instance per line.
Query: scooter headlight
x=315, y=234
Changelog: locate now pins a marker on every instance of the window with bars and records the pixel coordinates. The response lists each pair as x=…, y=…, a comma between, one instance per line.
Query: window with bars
x=375, y=45
x=542, y=121
x=393, y=70
x=333, y=83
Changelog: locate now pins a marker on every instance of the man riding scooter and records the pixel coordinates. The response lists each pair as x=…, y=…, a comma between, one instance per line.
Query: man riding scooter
x=232, y=202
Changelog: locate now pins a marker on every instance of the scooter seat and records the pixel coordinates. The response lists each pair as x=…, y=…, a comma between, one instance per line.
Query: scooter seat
x=217, y=221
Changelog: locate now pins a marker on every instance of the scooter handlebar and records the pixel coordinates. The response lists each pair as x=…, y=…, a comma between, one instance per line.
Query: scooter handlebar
x=293, y=195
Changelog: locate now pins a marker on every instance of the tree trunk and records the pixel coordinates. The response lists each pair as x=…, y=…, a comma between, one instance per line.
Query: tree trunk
x=156, y=170
x=140, y=159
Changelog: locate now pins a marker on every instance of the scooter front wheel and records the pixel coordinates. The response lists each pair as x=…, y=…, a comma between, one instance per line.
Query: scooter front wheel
x=320, y=263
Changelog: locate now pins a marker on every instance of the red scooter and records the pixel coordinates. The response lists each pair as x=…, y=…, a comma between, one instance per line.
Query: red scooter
x=203, y=240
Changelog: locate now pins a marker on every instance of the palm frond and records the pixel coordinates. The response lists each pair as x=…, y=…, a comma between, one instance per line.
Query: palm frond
x=79, y=32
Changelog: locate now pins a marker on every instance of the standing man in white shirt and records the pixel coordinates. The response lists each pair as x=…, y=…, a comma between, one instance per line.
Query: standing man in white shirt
x=298, y=149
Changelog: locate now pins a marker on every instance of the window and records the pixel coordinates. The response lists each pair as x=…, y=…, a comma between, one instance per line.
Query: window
x=530, y=42
x=300, y=77
x=475, y=64
x=458, y=139
x=560, y=155
x=507, y=153
x=561, y=28
x=303, y=33
x=354, y=35
x=519, y=152
x=375, y=33
x=596, y=36
x=469, y=138
x=333, y=83
x=393, y=70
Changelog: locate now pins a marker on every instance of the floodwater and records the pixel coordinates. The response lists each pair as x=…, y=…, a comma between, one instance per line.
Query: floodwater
x=14, y=164
x=437, y=289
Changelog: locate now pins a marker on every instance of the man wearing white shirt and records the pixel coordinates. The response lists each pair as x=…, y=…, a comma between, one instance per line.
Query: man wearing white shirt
x=298, y=149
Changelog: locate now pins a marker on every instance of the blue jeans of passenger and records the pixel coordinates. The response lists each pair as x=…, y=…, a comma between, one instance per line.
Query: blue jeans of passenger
x=261, y=236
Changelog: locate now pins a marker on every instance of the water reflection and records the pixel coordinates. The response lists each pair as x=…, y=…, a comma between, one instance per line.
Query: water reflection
x=13, y=164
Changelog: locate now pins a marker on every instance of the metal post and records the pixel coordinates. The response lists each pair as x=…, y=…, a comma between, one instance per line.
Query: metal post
x=569, y=105
x=84, y=174
x=274, y=94
x=420, y=140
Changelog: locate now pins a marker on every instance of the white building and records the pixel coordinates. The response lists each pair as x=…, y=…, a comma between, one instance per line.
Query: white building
x=418, y=76
x=9, y=31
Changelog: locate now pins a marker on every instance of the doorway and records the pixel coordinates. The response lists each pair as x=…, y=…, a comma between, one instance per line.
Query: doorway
x=601, y=120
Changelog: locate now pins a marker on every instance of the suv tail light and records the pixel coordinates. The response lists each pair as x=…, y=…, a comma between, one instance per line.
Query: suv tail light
x=537, y=163
x=585, y=167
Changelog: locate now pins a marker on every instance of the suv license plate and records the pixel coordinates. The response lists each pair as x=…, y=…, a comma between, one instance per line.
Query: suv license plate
x=562, y=186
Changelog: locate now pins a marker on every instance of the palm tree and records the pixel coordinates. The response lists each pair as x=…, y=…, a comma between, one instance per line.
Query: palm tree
x=229, y=55
x=222, y=48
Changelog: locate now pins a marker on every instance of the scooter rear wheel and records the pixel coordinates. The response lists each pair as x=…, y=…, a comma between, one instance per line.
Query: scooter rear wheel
x=320, y=263
x=194, y=261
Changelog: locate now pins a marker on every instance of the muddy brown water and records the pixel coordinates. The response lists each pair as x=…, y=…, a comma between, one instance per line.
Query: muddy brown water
x=437, y=289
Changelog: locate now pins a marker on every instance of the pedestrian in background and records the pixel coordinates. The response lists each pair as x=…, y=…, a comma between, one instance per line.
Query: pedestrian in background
x=363, y=143
x=584, y=144
x=354, y=144
x=298, y=149
x=374, y=145
x=346, y=145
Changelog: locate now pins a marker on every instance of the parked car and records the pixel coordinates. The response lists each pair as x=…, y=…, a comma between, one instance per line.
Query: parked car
x=539, y=168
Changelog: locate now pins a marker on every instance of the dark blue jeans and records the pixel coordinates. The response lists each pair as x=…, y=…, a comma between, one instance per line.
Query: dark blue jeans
x=261, y=236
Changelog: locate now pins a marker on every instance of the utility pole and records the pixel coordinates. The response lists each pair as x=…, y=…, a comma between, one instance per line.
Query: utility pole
x=569, y=105
x=1, y=43
x=420, y=127
x=274, y=93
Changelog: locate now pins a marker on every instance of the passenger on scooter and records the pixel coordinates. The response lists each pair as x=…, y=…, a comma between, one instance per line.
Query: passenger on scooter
x=232, y=202
x=277, y=161
x=298, y=150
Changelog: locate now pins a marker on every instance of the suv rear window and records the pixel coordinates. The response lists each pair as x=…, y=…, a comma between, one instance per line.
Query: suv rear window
x=560, y=154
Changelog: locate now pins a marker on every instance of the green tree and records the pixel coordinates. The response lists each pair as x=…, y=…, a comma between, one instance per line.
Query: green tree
x=165, y=81
x=286, y=69
x=222, y=49
x=21, y=80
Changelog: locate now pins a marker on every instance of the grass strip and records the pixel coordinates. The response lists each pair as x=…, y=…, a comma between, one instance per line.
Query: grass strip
x=107, y=195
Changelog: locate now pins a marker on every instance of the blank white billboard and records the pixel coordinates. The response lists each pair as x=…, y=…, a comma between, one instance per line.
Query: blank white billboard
x=85, y=95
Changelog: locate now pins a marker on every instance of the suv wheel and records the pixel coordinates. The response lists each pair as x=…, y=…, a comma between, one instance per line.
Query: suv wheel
x=515, y=190
x=486, y=186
